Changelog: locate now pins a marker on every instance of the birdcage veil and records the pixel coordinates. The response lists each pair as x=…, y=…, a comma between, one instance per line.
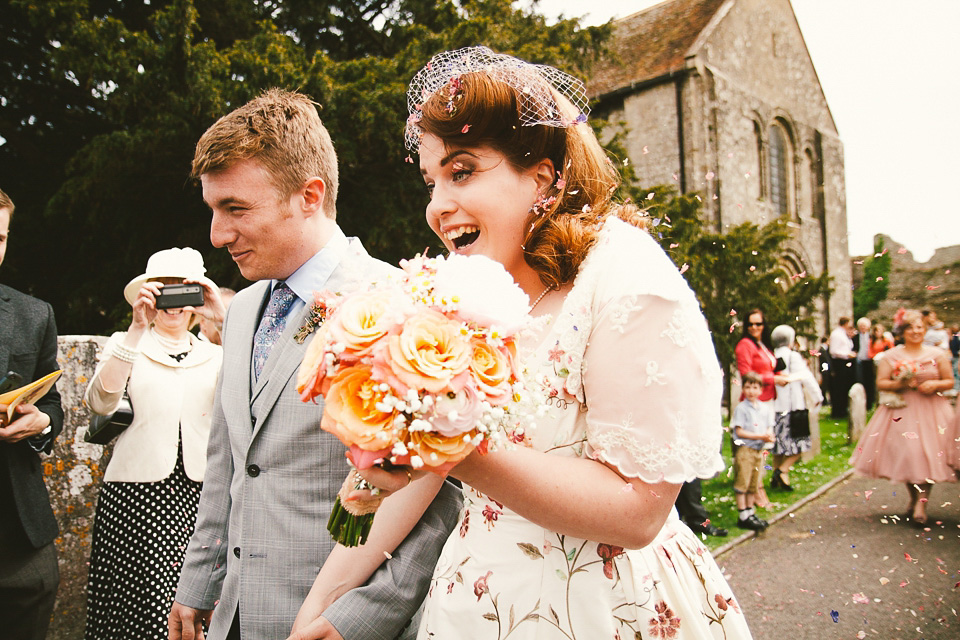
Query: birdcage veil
x=546, y=95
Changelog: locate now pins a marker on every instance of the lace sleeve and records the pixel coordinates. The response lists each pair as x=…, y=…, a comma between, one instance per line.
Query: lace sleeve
x=653, y=389
x=636, y=353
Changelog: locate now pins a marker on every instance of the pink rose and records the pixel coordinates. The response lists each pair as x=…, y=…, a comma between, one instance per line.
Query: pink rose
x=454, y=414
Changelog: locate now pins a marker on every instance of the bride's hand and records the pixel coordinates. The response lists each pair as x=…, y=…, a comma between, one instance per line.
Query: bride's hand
x=384, y=480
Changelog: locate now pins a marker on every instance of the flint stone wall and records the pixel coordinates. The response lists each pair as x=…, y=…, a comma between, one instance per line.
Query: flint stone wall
x=73, y=473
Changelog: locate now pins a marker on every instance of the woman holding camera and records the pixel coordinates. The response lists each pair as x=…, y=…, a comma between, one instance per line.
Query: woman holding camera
x=148, y=501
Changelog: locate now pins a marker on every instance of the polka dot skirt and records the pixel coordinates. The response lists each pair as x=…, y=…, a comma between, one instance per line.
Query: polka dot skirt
x=140, y=535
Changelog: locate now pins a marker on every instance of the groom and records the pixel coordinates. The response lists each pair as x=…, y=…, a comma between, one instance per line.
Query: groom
x=269, y=175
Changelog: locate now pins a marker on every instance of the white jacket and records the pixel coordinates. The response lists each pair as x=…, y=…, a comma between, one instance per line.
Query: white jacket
x=790, y=397
x=169, y=398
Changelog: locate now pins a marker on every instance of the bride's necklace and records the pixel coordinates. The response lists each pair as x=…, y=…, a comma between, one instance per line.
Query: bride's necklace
x=171, y=346
x=540, y=297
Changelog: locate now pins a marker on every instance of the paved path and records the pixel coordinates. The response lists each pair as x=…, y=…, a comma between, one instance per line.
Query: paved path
x=843, y=566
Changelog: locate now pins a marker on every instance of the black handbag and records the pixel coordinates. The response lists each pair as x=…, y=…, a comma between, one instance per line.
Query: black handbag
x=799, y=423
x=103, y=429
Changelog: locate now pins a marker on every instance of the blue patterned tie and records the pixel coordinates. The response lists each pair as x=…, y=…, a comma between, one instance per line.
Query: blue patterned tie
x=271, y=325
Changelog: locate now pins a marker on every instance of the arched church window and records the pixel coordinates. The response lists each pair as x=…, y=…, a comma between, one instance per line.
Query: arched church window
x=777, y=169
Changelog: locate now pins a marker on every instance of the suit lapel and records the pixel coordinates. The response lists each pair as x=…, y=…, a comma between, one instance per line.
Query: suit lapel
x=6, y=325
x=244, y=316
x=285, y=356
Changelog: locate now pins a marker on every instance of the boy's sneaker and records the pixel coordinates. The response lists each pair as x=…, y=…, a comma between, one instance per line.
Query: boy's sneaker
x=752, y=522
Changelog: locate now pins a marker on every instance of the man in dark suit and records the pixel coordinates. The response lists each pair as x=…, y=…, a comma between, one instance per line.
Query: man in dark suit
x=28, y=556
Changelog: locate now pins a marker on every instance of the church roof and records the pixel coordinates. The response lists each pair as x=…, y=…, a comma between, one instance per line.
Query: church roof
x=651, y=43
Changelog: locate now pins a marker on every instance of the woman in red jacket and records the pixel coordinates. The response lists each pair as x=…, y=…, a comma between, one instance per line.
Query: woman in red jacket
x=754, y=353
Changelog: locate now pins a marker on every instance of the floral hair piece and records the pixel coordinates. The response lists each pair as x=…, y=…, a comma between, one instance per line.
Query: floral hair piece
x=544, y=88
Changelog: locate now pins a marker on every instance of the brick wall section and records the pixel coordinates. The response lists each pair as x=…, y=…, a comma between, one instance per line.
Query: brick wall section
x=747, y=68
x=73, y=473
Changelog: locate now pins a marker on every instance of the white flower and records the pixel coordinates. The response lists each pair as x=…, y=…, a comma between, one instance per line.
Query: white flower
x=483, y=290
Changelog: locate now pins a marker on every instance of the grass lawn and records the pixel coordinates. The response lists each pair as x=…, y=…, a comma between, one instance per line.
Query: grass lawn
x=806, y=477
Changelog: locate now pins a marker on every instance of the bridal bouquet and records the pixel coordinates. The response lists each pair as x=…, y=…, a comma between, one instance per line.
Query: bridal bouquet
x=903, y=371
x=419, y=370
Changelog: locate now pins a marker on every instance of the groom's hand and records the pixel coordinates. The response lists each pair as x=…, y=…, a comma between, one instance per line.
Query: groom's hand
x=184, y=622
x=319, y=629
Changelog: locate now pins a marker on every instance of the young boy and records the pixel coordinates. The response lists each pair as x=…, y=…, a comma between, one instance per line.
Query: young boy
x=752, y=425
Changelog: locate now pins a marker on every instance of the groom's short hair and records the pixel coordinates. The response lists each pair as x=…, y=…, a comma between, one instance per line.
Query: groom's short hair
x=282, y=131
x=6, y=202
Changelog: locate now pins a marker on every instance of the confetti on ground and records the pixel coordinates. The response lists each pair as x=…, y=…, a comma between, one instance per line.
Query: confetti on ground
x=835, y=615
x=859, y=598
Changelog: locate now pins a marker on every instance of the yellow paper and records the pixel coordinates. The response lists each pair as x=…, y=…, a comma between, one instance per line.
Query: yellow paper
x=29, y=393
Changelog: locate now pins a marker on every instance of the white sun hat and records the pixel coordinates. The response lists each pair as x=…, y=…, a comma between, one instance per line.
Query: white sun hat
x=185, y=264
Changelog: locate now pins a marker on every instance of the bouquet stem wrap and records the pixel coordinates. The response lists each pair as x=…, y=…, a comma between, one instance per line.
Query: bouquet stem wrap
x=350, y=520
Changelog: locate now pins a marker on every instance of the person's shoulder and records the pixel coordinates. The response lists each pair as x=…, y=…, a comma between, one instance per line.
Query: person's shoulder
x=24, y=302
x=622, y=249
x=356, y=258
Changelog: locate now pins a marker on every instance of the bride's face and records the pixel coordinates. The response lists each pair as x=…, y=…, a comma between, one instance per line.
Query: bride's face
x=479, y=203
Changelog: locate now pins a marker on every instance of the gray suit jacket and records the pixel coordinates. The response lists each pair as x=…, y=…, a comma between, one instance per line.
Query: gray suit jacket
x=272, y=477
x=28, y=345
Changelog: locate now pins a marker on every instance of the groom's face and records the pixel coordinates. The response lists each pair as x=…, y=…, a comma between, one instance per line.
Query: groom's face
x=262, y=230
x=4, y=232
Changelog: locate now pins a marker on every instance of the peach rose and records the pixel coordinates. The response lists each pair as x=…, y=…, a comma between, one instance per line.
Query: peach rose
x=492, y=370
x=440, y=451
x=362, y=319
x=429, y=352
x=351, y=412
x=311, y=377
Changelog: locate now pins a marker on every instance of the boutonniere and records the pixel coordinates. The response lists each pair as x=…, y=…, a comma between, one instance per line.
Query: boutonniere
x=318, y=313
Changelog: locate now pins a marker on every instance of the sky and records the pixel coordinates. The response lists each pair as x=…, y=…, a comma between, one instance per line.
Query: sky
x=888, y=70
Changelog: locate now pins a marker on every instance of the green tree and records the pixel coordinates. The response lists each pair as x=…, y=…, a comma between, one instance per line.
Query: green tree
x=873, y=290
x=102, y=104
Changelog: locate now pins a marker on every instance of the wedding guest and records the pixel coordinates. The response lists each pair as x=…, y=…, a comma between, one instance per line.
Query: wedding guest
x=912, y=437
x=269, y=175
x=823, y=358
x=752, y=424
x=955, y=354
x=864, y=363
x=792, y=430
x=29, y=575
x=689, y=505
x=842, y=367
x=561, y=535
x=148, y=500
x=754, y=353
x=880, y=341
x=935, y=334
